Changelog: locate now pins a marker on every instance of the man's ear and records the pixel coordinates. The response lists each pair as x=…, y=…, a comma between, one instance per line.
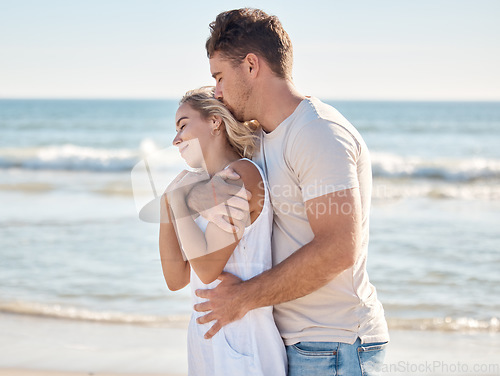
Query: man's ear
x=252, y=64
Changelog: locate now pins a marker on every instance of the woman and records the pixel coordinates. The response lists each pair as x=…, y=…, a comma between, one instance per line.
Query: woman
x=210, y=139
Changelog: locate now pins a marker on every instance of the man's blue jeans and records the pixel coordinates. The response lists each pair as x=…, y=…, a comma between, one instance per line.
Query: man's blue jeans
x=335, y=358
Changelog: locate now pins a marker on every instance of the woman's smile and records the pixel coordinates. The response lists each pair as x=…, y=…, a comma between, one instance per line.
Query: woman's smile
x=183, y=147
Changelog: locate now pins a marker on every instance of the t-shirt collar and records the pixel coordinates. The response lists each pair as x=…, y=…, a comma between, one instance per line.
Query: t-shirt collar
x=289, y=120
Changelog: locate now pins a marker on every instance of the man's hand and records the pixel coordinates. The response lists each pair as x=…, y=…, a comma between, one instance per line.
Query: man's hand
x=182, y=184
x=217, y=200
x=226, y=304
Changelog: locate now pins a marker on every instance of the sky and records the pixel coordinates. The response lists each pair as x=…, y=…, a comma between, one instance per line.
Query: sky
x=352, y=50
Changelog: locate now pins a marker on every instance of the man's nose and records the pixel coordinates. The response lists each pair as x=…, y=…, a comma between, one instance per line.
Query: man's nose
x=218, y=93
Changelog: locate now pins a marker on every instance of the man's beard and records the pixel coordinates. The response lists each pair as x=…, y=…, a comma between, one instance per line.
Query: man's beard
x=238, y=115
x=239, y=112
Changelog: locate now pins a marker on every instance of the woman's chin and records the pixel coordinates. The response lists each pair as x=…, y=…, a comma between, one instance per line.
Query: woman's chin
x=192, y=164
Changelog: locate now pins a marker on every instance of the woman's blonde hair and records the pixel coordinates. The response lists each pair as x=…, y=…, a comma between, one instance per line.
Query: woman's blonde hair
x=241, y=136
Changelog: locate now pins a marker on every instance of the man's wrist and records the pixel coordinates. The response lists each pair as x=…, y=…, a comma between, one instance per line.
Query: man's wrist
x=249, y=299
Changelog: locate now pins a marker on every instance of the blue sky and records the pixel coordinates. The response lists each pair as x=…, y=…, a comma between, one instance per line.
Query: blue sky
x=396, y=50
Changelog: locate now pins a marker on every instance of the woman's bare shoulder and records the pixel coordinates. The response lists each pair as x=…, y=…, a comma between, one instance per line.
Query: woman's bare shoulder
x=252, y=180
x=248, y=172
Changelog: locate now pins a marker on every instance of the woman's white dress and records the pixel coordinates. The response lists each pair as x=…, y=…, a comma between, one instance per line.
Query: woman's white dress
x=252, y=345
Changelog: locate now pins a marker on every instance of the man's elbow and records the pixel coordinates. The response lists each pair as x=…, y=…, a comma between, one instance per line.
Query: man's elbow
x=351, y=254
x=349, y=260
x=343, y=256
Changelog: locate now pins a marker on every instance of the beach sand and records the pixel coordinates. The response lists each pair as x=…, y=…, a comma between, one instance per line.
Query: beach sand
x=31, y=372
x=89, y=348
x=42, y=347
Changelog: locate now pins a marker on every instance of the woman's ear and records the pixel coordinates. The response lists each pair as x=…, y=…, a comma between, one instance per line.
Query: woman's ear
x=216, y=121
x=216, y=125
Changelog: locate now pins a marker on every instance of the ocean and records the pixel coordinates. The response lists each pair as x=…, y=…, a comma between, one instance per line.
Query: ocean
x=72, y=245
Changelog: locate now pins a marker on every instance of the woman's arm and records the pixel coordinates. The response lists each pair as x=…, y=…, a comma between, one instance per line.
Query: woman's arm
x=209, y=252
x=176, y=270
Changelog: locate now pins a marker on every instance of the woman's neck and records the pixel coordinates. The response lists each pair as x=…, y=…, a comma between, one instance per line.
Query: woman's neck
x=219, y=161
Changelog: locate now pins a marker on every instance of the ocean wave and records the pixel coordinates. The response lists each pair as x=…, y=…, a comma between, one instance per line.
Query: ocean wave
x=447, y=324
x=385, y=165
x=390, y=189
x=78, y=158
x=68, y=157
x=446, y=169
x=57, y=311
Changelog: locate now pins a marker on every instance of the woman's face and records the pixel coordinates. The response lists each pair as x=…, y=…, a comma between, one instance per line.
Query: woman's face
x=193, y=135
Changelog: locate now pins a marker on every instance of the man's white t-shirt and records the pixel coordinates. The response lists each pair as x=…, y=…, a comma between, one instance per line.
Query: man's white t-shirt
x=313, y=152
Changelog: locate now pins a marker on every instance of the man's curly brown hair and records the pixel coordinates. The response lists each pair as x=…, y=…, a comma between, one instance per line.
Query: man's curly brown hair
x=238, y=32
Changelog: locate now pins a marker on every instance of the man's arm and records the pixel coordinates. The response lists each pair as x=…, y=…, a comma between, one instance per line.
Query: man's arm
x=335, y=220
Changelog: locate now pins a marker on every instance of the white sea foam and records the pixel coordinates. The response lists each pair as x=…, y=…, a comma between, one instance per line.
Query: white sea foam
x=392, y=189
x=68, y=157
x=78, y=158
x=395, y=176
x=56, y=311
x=385, y=165
x=448, y=169
x=448, y=324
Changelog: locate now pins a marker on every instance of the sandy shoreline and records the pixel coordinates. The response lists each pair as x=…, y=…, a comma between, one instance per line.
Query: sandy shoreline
x=33, y=346
x=31, y=372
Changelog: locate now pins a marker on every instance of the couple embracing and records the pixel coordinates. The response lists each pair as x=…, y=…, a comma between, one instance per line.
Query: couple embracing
x=272, y=232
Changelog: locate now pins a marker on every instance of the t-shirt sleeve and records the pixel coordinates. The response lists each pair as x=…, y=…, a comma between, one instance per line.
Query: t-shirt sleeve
x=323, y=156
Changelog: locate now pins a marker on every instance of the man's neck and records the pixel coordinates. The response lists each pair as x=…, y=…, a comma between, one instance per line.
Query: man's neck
x=277, y=102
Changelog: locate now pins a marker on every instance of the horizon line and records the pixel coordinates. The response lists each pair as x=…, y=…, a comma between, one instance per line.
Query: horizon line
x=443, y=100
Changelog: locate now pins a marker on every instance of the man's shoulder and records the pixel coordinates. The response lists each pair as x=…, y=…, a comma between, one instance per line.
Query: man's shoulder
x=317, y=113
x=324, y=113
x=319, y=119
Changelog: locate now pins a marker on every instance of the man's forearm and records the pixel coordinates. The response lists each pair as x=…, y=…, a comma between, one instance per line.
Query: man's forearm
x=334, y=249
x=311, y=267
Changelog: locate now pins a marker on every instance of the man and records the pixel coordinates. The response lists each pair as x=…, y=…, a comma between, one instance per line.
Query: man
x=319, y=172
